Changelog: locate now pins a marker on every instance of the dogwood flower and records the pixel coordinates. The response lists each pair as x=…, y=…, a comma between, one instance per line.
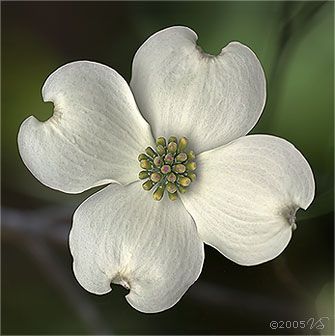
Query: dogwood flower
x=210, y=182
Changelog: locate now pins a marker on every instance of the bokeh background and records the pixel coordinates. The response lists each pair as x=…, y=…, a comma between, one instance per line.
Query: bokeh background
x=295, y=43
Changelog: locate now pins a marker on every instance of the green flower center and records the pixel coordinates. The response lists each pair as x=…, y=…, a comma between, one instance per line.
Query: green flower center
x=170, y=166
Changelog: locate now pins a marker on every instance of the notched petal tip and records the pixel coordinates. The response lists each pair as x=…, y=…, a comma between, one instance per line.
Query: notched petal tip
x=221, y=52
x=289, y=214
x=121, y=280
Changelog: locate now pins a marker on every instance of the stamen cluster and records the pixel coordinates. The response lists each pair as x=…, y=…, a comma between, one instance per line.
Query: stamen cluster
x=170, y=166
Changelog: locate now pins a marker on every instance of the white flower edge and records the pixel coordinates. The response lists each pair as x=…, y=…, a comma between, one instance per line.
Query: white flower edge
x=245, y=200
x=183, y=91
x=121, y=235
x=94, y=135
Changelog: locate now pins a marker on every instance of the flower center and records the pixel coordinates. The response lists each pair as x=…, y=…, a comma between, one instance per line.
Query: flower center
x=170, y=166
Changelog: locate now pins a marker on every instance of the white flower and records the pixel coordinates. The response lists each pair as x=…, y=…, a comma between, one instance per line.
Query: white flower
x=247, y=191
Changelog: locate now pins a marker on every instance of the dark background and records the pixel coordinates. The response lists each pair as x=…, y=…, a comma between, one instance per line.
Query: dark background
x=294, y=42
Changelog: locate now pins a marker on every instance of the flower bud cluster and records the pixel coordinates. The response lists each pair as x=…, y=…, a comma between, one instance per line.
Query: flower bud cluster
x=169, y=167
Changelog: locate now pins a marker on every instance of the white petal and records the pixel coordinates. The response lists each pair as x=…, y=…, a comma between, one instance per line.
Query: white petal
x=180, y=90
x=245, y=200
x=94, y=135
x=122, y=235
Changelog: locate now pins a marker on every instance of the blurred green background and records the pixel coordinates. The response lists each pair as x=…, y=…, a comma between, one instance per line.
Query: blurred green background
x=295, y=43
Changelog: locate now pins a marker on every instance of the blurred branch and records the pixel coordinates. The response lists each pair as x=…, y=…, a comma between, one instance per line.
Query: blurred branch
x=49, y=223
x=294, y=26
x=35, y=230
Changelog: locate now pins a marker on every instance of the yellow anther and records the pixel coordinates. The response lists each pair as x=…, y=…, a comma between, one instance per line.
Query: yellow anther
x=142, y=156
x=160, y=150
x=171, y=187
x=182, y=190
x=145, y=164
x=158, y=161
x=179, y=168
x=173, y=139
x=181, y=157
x=143, y=174
x=192, y=176
x=150, y=152
x=172, y=147
x=183, y=142
x=190, y=155
x=169, y=158
x=159, y=192
x=184, y=181
x=161, y=141
x=171, y=178
x=147, y=185
x=173, y=196
x=191, y=166
x=166, y=169
x=155, y=177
